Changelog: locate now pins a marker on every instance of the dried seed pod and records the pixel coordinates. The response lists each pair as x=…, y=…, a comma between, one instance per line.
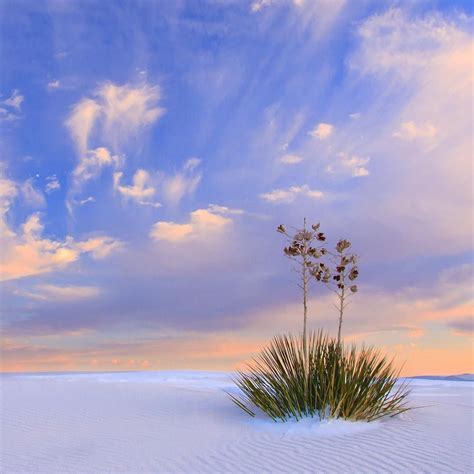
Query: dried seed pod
x=345, y=260
x=353, y=274
x=342, y=245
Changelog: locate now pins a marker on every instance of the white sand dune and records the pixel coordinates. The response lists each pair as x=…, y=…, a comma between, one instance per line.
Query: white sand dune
x=173, y=422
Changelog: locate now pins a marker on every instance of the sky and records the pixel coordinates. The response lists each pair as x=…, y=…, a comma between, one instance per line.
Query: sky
x=149, y=150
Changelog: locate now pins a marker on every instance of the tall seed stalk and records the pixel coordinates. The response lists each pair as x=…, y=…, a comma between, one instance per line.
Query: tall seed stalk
x=340, y=279
x=301, y=249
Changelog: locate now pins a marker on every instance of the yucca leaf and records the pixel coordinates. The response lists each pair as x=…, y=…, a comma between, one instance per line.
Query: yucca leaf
x=337, y=382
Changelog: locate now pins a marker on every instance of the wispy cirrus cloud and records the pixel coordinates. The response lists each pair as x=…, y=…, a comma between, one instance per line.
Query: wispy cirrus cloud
x=291, y=159
x=411, y=131
x=52, y=184
x=176, y=186
x=146, y=185
x=257, y=5
x=87, y=200
x=31, y=195
x=50, y=292
x=351, y=165
x=53, y=85
x=102, y=125
x=8, y=193
x=288, y=195
x=141, y=191
x=10, y=107
x=395, y=43
x=114, y=114
x=80, y=123
x=216, y=209
x=92, y=163
x=422, y=64
x=14, y=101
x=315, y=17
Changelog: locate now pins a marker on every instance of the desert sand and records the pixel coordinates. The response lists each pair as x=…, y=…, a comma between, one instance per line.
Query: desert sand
x=175, y=422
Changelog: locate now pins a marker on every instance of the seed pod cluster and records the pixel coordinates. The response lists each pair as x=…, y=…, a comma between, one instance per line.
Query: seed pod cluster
x=338, y=270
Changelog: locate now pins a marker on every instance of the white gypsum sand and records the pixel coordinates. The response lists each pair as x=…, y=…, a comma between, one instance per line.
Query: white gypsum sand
x=174, y=422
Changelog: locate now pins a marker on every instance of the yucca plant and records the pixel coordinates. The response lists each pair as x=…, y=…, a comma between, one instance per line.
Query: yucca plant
x=340, y=383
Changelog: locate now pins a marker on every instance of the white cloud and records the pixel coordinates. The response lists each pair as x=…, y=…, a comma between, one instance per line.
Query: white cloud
x=352, y=165
x=87, y=200
x=315, y=16
x=28, y=253
x=322, y=131
x=127, y=109
x=182, y=183
x=8, y=192
x=279, y=196
x=257, y=5
x=10, y=108
x=6, y=115
x=115, y=114
x=32, y=196
x=145, y=185
x=203, y=223
x=290, y=159
x=48, y=292
x=171, y=231
x=52, y=85
x=80, y=123
x=14, y=101
x=410, y=131
x=141, y=191
x=52, y=184
x=99, y=247
x=216, y=209
x=109, y=120
x=90, y=165
x=405, y=47
x=191, y=164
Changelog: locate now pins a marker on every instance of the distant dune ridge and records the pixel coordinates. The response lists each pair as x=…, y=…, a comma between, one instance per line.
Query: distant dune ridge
x=454, y=378
x=183, y=422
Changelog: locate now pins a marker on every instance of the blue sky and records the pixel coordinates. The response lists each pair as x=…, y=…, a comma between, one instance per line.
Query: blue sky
x=149, y=149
